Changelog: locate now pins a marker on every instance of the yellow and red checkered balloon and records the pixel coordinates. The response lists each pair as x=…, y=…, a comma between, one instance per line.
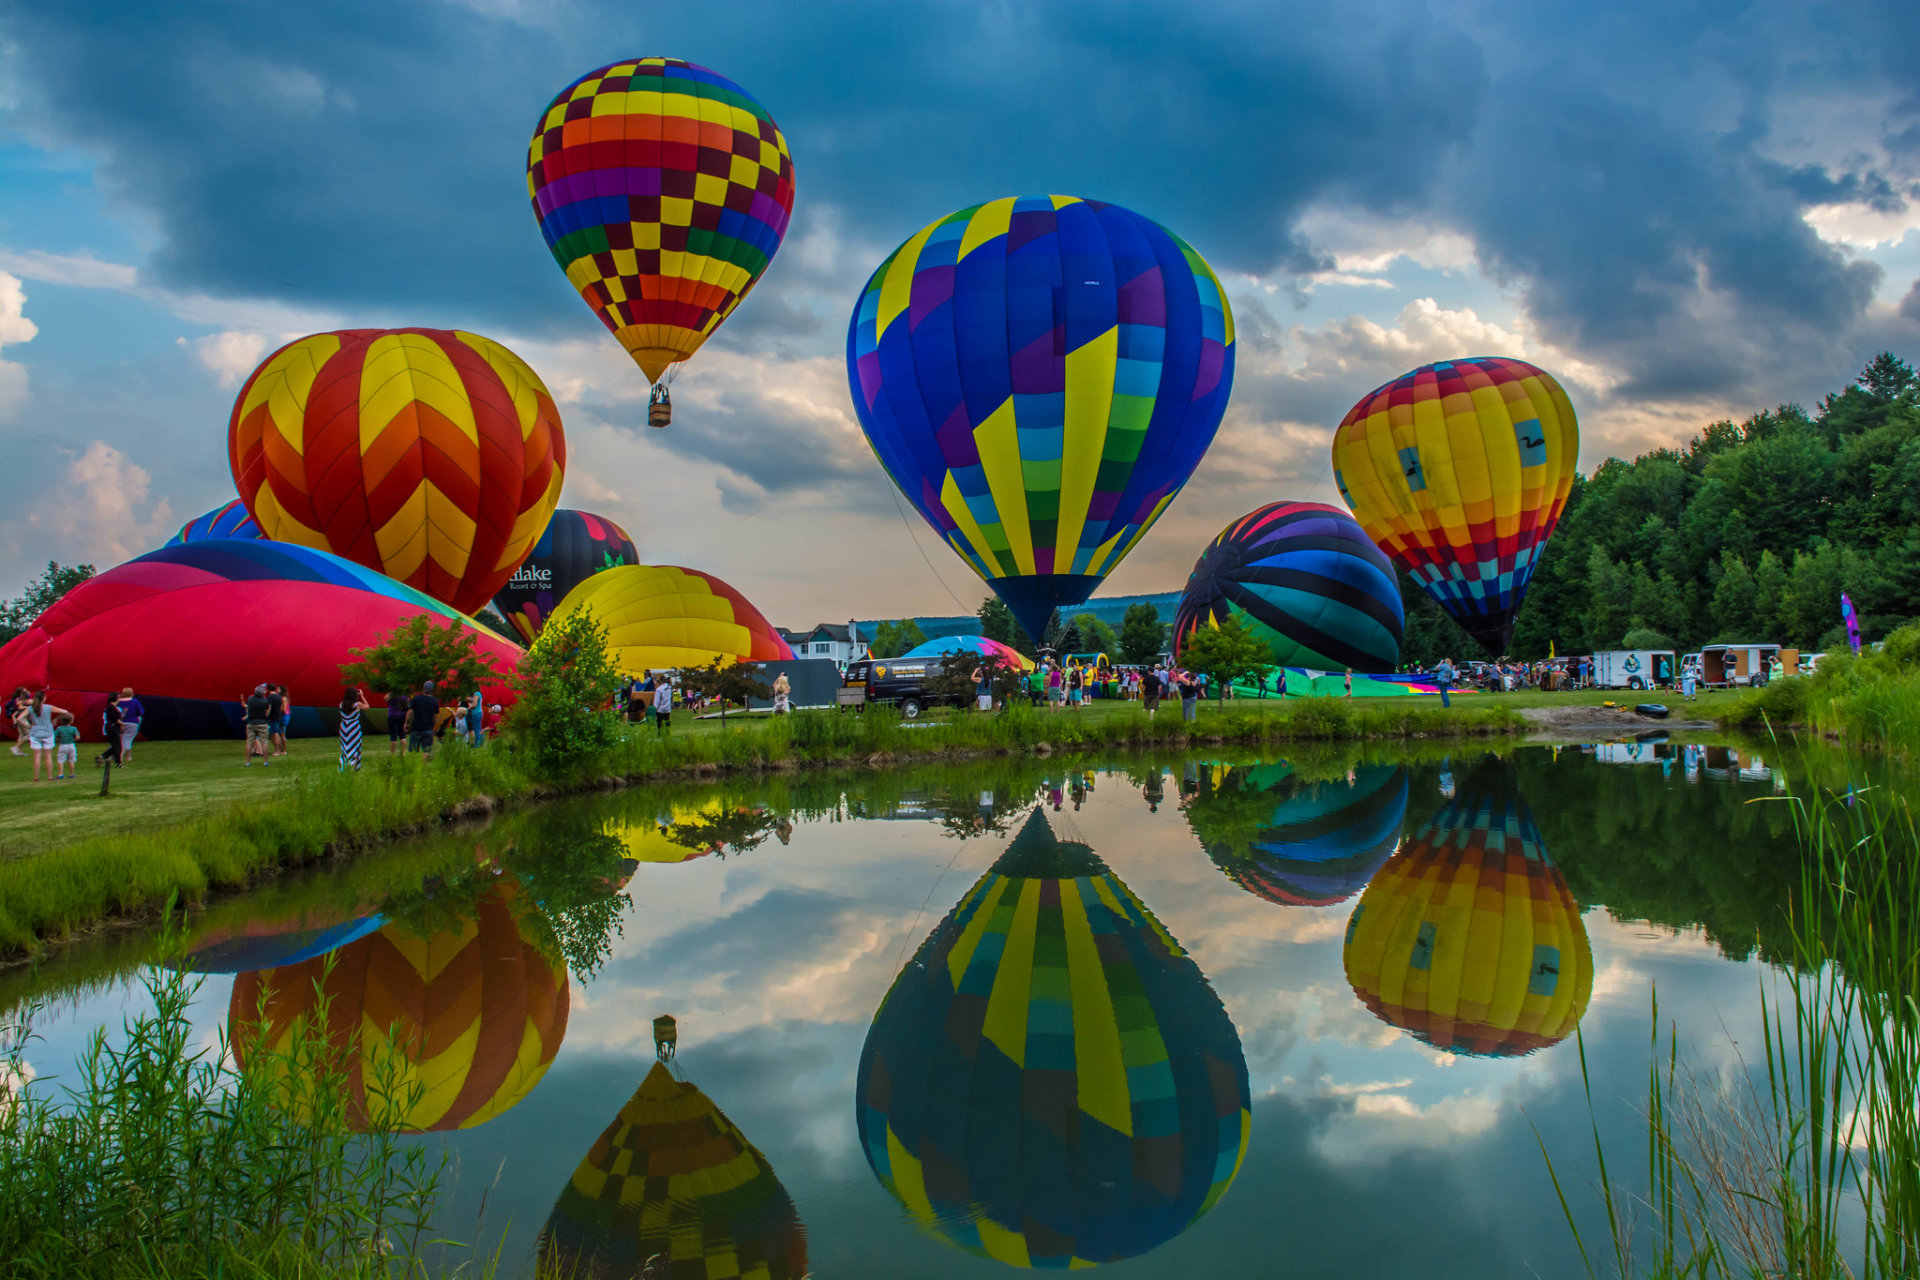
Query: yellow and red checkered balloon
x=663, y=190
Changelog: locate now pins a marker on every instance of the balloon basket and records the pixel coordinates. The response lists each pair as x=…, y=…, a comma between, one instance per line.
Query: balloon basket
x=659, y=408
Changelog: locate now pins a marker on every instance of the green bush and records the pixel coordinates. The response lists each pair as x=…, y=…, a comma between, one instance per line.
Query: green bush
x=564, y=721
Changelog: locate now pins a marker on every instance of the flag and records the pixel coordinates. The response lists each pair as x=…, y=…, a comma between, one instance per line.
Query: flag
x=1852, y=620
x=1550, y=653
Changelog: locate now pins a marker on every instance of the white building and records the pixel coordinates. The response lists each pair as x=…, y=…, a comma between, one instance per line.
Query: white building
x=836, y=640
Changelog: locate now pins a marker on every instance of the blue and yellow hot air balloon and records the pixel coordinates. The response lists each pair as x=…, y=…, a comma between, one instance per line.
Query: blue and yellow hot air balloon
x=1040, y=375
x=1309, y=844
x=1468, y=937
x=1051, y=1082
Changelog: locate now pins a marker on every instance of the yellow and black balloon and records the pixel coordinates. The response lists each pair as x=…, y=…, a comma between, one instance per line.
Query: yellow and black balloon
x=1051, y=1082
x=1468, y=937
x=672, y=1178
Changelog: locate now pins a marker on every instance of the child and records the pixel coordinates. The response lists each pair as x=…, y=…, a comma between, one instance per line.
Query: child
x=66, y=747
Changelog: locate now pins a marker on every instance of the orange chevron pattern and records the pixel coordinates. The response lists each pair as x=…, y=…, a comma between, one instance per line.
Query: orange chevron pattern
x=476, y=1013
x=433, y=456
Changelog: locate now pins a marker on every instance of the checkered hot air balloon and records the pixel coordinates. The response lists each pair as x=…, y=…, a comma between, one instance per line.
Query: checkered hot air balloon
x=1468, y=937
x=1459, y=471
x=1051, y=1082
x=672, y=1179
x=1303, y=578
x=475, y=1012
x=434, y=456
x=1318, y=844
x=663, y=190
x=660, y=616
x=1040, y=375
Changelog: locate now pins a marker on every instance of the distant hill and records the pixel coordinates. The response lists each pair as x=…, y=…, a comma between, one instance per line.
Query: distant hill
x=1109, y=609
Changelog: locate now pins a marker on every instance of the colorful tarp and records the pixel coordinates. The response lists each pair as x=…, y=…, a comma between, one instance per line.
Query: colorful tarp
x=575, y=546
x=434, y=456
x=1459, y=471
x=971, y=644
x=1305, y=580
x=660, y=617
x=663, y=190
x=1040, y=375
x=228, y=521
x=1051, y=1082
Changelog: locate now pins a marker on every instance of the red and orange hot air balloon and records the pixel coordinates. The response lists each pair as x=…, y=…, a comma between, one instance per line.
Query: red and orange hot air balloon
x=434, y=456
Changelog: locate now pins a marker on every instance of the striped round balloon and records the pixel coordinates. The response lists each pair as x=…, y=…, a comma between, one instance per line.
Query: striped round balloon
x=1305, y=579
x=660, y=616
x=1469, y=938
x=229, y=520
x=434, y=456
x=1323, y=840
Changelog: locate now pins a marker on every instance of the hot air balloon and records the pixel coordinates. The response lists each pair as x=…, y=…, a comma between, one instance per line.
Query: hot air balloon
x=1318, y=843
x=1459, y=470
x=1468, y=938
x=475, y=1013
x=1039, y=376
x=228, y=521
x=672, y=1178
x=980, y=645
x=663, y=190
x=659, y=617
x=1304, y=579
x=431, y=455
x=192, y=628
x=275, y=942
x=1051, y=1082
x=576, y=545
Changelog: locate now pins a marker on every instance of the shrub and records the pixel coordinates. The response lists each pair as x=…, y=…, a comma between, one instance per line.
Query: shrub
x=564, y=721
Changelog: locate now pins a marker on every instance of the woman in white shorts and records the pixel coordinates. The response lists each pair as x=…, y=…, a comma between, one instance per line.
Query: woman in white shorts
x=40, y=717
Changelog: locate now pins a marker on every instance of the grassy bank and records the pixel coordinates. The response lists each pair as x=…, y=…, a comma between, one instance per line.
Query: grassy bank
x=117, y=868
x=1872, y=701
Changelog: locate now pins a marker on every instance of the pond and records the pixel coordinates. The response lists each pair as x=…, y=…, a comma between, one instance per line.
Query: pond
x=1179, y=1015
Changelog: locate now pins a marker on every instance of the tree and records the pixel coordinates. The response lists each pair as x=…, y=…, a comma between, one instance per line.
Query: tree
x=1225, y=653
x=1733, y=601
x=998, y=623
x=490, y=618
x=564, y=720
x=417, y=651
x=42, y=593
x=1609, y=600
x=891, y=639
x=1769, y=594
x=954, y=681
x=727, y=681
x=1646, y=638
x=1142, y=635
x=1095, y=634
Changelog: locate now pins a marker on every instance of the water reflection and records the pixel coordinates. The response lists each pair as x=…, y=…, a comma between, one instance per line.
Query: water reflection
x=1051, y=1081
x=672, y=1190
x=1468, y=937
x=248, y=943
x=472, y=1008
x=681, y=833
x=1289, y=840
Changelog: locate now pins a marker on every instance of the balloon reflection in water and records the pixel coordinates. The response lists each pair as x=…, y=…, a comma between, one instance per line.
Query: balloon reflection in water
x=1311, y=843
x=1469, y=938
x=1051, y=1082
x=475, y=1012
x=672, y=1179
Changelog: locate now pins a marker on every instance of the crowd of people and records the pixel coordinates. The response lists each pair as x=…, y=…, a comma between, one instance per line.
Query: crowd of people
x=51, y=734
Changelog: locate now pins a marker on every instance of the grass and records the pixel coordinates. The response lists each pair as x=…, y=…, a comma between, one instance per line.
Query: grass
x=1812, y=1170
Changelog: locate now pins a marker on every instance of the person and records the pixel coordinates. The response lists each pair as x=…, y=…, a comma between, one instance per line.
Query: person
x=783, y=691
x=1037, y=684
x=396, y=721
x=1189, y=696
x=39, y=717
x=282, y=715
x=1153, y=790
x=444, y=722
x=663, y=708
x=476, y=722
x=1150, y=691
x=1076, y=686
x=982, y=691
x=131, y=714
x=352, y=703
x=490, y=722
x=1056, y=687
x=1349, y=682
x=1688, y=678
x=16, y=704
x=1443, y=676
x=422, y=710
x=259, y=727
x=110, y=722
x=637, y=701
x=66, y=747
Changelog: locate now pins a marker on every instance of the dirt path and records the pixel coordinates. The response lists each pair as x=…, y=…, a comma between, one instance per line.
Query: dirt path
x=1564, y=722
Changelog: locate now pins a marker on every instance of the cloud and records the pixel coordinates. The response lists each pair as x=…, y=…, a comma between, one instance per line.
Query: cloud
x=1910, y=305
x=231, y=355
x=81, y=270
x=102, y=511
x=15, y=328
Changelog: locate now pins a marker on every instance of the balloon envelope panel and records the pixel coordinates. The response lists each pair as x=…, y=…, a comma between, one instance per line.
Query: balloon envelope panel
x=1460, y=470
x=478, y=1011
x=434, y=456
x=1468, y=937
x=663, y=190
x=1040, y=375
x=672, y=1178
x=201, y=623
x=1051, y=1082
x=662, y=616
x=228, y=521
x=1306, y=580
x=1321, y=842
x=971, y=644
x=575, y=546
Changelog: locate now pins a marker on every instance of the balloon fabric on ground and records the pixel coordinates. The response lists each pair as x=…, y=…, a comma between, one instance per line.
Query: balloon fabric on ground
x=1306, y=682
x=1468, y=937
x=672, y=1180
x=575, y=546
x=1320, y=843
x=660, y=617
x=193, y=628
x=476, y=1010
x=1051, y=1082
x=433, y=456
x=1459, y=471
x=1304, y=578
x=228, y=521
x=1040, y=375
x=979, y=645
x=663, y=190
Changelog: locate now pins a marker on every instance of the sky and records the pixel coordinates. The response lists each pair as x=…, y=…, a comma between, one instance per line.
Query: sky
x=1686, y=211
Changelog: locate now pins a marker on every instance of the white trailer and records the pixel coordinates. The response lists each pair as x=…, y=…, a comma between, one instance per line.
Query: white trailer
x=1633, y=668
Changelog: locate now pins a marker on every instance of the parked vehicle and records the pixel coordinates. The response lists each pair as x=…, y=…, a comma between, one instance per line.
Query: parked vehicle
x=1727, y=666
x=1634, y=669
x=898, y=682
